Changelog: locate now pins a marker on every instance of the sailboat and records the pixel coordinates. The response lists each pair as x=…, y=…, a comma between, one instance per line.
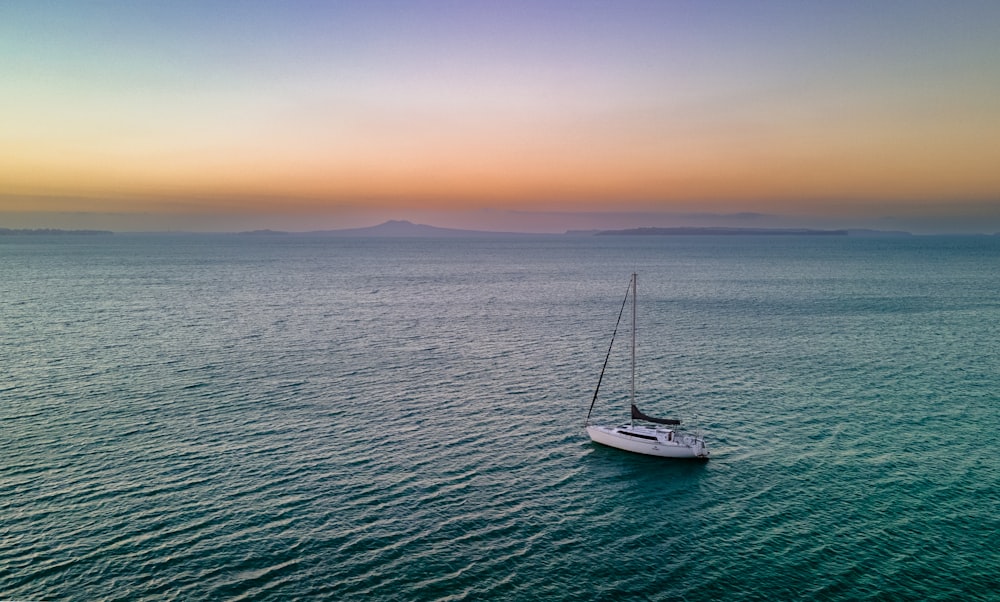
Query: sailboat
x=643, y=434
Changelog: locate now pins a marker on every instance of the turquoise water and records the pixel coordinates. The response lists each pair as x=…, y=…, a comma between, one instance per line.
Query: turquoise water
x=275, y=418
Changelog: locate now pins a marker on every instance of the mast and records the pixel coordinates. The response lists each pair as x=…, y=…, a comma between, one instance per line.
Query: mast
x=632, y=394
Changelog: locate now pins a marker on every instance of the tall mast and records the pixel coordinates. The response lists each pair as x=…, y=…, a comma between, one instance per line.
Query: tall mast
x=633, y=339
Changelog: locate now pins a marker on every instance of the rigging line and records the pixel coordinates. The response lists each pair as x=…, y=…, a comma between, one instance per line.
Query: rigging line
x=601, y=377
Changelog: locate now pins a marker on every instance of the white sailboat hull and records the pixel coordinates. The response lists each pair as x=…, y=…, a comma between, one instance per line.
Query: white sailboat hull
x=661, y=442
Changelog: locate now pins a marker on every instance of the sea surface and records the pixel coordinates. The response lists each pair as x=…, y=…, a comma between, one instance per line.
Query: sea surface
x=223, y=417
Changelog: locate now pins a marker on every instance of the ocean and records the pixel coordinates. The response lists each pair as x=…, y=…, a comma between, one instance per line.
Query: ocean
x=224, y=417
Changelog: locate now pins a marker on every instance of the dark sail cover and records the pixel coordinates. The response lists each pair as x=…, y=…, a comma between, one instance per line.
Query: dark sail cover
x=638, y=415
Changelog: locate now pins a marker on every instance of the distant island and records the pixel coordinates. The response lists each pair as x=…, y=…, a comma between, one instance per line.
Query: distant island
x=266, y=232
x=51, y=231
x=721, y=232
x=403, y=228
x=406, y=229
x=390, y=229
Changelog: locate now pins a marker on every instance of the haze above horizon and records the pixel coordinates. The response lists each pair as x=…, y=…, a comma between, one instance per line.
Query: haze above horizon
x=513, y=116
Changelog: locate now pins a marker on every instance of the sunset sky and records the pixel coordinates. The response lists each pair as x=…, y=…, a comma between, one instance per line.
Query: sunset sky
x=541, y=115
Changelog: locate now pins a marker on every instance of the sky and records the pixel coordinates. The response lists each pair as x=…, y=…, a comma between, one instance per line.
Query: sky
x=506, y=115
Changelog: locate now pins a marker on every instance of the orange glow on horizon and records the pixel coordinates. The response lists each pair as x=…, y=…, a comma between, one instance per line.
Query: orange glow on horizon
x=542, y=179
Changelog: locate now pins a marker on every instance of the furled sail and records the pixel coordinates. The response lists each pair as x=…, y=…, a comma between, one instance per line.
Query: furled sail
x=638, y=415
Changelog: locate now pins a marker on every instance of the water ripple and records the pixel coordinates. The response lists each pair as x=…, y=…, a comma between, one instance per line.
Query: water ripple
x=214, y=417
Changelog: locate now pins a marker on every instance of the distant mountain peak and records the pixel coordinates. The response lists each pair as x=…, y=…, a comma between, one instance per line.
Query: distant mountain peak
x=404, y=228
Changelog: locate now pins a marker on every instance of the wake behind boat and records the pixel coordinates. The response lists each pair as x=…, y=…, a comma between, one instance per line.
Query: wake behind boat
x=658, y=440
